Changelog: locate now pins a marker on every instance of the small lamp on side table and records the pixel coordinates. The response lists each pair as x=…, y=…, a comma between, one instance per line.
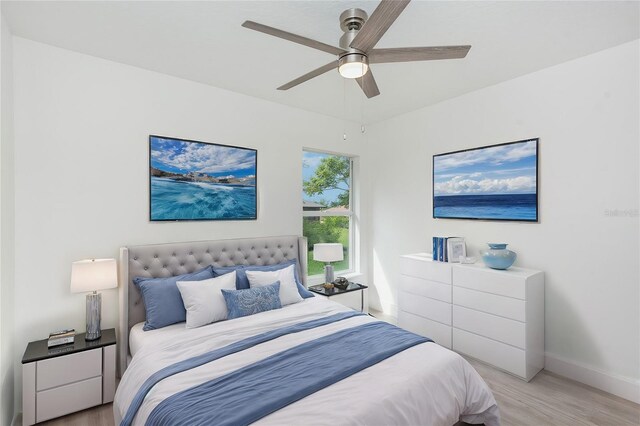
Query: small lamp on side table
x=328, y=252
x=93, y=275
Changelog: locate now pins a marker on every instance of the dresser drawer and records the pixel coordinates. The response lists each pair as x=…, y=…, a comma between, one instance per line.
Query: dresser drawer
x=503, y=283
x=68, y=369
x=427, y=269
x=423, y=306
x=440, y=333
x=502, y=356
x=493, y=304
x=491, y=326
x=428, y=288
x=68, y=399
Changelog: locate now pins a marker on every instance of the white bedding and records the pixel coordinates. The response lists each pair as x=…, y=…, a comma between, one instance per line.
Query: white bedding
x=424, y=385
x=139, y=338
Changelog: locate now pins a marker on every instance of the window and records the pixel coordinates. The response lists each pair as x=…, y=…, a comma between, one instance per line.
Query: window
x=327, y=206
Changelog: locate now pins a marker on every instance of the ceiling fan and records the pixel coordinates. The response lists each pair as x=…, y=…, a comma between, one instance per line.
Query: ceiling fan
x=356, y=51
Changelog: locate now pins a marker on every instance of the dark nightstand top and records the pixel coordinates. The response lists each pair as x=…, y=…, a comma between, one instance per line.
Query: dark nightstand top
x=319, y=289
x=37, y=351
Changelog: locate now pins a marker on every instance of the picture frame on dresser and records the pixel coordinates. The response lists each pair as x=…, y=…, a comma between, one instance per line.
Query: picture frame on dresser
x=456, y=248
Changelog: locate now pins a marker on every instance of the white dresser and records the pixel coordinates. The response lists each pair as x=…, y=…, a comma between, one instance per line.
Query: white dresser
x=494, y=316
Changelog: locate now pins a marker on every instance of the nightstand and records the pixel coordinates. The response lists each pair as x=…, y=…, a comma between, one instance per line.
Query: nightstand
x=64, y=379
x=355, y=296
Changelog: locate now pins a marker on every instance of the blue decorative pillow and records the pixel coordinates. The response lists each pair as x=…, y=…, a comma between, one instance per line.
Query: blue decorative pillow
x=241, y=303
x=162, y=299
x=242, y=282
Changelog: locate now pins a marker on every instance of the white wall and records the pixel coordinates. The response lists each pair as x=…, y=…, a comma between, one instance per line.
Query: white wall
x=6, y=226
x=585, y=113
x=81, y=129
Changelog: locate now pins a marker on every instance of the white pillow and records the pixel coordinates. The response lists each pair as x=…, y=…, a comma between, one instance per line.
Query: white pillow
x=288, y=288
x=203, y=300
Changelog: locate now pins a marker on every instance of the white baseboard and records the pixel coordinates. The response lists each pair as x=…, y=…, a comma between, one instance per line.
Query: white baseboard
x=621, y=386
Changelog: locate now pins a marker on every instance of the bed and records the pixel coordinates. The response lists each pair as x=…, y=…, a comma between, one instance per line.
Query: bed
x=421, y=383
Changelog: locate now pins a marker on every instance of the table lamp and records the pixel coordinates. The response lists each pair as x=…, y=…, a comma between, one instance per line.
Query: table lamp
x=93, y=275
x=328, y=252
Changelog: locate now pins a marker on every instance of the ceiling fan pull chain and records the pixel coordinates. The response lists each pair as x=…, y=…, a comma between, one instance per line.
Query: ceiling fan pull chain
x=344, y=107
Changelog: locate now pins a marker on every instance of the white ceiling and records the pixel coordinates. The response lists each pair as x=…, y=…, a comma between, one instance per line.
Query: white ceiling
x=203, y=41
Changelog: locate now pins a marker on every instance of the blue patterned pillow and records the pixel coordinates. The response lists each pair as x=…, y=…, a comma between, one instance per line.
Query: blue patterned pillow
x=241, y=303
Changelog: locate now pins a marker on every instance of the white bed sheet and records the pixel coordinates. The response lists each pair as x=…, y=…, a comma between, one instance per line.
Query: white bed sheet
x=139, y=338
x=423, y=385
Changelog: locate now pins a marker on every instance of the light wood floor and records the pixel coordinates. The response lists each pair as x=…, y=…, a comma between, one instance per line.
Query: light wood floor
x=98, y=416
x=548, y=400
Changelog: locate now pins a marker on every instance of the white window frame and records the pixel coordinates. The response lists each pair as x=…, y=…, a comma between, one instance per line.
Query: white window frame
x=318, y=278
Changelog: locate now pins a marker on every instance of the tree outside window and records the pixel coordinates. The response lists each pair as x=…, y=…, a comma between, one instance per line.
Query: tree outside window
x=327, y=206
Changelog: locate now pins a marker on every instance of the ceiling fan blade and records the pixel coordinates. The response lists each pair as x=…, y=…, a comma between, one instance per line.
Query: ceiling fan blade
x=368, y=84
x=378, y=24
x=293, y=37
x=308, y=76
x=410, y=54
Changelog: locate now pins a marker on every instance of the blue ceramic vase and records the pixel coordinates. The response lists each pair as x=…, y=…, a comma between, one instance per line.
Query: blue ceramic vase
x=498, y=256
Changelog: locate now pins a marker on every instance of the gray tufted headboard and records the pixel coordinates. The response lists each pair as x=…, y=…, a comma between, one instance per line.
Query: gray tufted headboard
x=166, y=260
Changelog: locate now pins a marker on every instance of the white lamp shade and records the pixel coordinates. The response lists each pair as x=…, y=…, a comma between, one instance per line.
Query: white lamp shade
x=328, y=252
x=93, y=274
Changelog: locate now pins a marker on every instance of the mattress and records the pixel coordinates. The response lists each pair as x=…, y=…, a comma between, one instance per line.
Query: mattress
x=425, y=384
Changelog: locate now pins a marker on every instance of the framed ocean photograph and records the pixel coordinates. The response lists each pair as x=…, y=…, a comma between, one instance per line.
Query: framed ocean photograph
x=191, y=180
x=497, y=182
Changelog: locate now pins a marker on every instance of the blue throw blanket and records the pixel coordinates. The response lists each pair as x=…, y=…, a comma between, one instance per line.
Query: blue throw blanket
x=248, y=394
x=238, y=346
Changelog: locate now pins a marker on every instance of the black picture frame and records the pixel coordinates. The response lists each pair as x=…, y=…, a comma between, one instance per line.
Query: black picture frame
x=243, y=191
x=537, y=190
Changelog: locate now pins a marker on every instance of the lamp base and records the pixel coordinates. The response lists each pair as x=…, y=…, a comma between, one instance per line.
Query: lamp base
x=94, y=308
x=328, y=273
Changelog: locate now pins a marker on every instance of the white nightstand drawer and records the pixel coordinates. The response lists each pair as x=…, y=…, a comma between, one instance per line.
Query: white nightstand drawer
x=491, y=326
x=503, y=356
x=502, y=283
x=486, y=302
x=425, y=307
x=69, y=368
x=440, y=333
x=426, y=268
x=69, y=398
x=428, y=288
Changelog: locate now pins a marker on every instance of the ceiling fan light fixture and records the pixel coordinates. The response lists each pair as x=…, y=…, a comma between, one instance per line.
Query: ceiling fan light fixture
x=353, y=65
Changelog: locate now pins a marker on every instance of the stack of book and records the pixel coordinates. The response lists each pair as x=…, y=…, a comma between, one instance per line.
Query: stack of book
x=446, y=249
x=61, y=337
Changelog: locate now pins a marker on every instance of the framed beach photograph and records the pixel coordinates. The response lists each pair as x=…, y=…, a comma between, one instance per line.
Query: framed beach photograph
x=191, y=180
x=497, y=182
